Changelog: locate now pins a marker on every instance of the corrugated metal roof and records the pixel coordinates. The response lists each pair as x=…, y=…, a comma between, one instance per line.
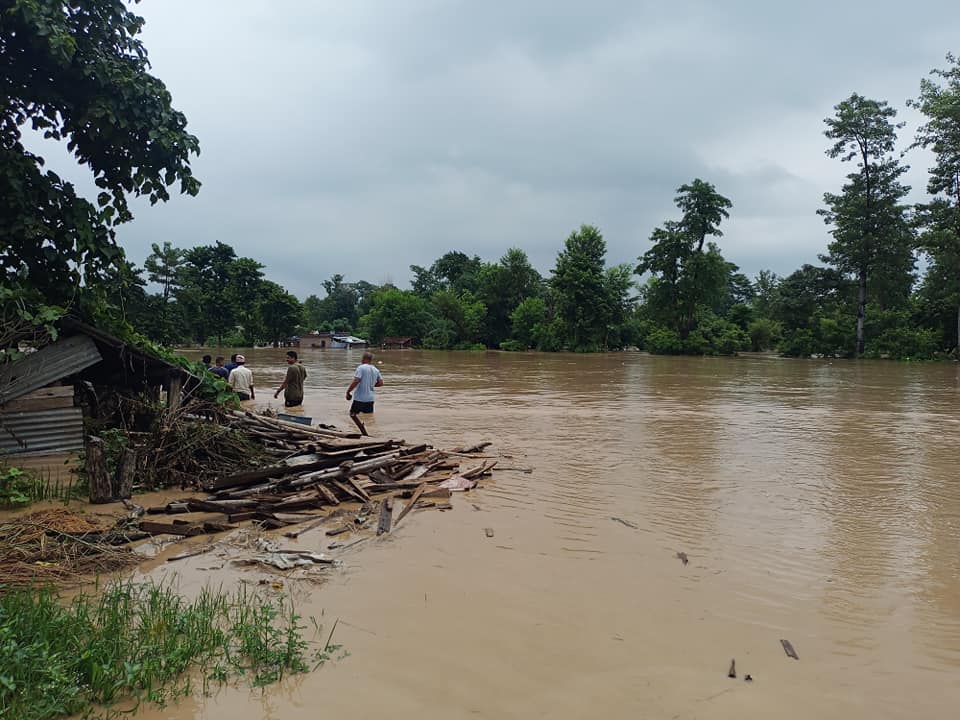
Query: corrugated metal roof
x=41, y=430
x=51, y=363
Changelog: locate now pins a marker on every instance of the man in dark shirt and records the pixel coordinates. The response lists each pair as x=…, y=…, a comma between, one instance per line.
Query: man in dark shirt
x=219, y=369
x=293, y=383
x=232, y=364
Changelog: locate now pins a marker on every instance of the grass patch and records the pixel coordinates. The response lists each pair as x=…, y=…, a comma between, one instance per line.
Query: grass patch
x=19, y=488
x=136, y=642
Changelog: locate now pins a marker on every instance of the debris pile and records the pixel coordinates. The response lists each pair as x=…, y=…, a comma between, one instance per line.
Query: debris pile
x=292, y=476
x=60, y=546
x=321, y=469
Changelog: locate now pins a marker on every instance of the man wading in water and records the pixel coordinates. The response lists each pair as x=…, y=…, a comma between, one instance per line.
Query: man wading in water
x=365, y=379
x=293, y=383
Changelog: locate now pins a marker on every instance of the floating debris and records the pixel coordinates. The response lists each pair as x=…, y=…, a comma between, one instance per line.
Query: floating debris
x=788, y=649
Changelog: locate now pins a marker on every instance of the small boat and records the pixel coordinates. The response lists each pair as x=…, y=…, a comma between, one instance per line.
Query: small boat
x=347, y=341
x=302, y=419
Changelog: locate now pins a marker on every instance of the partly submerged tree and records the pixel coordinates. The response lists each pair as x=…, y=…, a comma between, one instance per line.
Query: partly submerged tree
x=685, y=276
x=582, y=301
x=77, y=72
x=870, y=228
x=939, y=101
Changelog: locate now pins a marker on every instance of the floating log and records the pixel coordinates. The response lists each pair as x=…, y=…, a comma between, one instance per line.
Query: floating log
x=732, y=672
x=788, y=649
x=184, y=529
x=386, y=516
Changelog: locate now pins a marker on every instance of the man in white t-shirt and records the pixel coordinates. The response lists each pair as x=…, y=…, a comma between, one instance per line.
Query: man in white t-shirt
x=365, y=379
x=241, y=379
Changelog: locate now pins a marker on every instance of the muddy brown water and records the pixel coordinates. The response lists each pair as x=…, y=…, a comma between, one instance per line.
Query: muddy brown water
x=817, y=501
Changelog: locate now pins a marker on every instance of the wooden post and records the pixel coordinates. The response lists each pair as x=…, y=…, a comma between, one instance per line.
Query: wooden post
x=101, y=490
x=173, y=393
x=126, y=471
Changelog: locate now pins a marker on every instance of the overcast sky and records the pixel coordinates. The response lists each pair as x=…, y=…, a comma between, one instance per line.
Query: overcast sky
x=360, y=137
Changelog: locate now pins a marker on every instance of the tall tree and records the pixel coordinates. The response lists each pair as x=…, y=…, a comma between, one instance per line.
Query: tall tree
x=939, y=101
x=205, y=291
x=279, y=311
x=341, y=301
x=685, y=275
x=78, y=72
x=163, y=268
x=503, y=286
x=869, y=224
x=582, y=302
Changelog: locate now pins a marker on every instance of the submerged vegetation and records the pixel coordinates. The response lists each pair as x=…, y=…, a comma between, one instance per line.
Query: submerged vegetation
x=142, y=642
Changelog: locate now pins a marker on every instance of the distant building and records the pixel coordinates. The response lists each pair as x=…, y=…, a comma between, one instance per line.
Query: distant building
x=347, y=341
x=316, y=340
x=397, y=343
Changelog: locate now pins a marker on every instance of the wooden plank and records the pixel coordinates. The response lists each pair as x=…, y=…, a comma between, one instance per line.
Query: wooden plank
x=48, y=398
x=386, y=516
x=788, y=649
x=360, y=491
x=300, y=531
x=327, y=494
x=437, y=493
x=184, y=529
x=413, y=501
x=349, y=491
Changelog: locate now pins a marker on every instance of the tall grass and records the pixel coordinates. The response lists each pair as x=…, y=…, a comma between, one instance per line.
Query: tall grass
x=136, y=642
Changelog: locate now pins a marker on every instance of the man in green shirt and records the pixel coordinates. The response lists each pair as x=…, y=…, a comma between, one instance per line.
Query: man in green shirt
x=293, y=383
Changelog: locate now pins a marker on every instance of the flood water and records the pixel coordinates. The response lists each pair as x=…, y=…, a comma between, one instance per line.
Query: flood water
x=817, y=501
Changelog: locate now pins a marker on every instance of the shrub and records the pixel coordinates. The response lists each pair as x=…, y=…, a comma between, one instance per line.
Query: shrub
x=663, y=341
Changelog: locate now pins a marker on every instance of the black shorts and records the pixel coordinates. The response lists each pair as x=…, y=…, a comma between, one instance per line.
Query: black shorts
x=361, y=407
x=243, y=396
x=292, y=402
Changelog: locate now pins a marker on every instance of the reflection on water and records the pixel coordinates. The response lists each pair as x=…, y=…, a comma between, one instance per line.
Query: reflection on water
x=817, y=500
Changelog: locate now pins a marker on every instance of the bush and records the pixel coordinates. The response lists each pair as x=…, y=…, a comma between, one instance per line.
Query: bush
x=663, y=341
x=512, y=346
x=904, y=343
x=764, y=334
x=797, y=343
x=18, y=488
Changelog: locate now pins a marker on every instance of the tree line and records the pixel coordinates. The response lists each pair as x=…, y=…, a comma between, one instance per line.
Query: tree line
x=78, y=73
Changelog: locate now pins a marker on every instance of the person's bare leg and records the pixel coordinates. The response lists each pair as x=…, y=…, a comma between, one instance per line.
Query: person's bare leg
x=359, y=423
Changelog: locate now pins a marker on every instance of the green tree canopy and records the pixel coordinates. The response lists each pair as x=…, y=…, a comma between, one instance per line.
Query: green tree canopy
x=77, y=72
x=685, y=276
x=582, y=301
x=869, y=224
x=939, y=101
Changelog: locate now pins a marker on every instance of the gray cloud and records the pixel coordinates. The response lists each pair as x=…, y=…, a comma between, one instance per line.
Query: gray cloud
x=361, y=137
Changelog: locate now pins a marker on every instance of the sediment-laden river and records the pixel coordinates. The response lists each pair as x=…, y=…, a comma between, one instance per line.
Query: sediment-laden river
x=817, y=501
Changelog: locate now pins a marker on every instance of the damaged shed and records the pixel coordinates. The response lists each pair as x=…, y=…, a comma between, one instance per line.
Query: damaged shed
x=43, y=395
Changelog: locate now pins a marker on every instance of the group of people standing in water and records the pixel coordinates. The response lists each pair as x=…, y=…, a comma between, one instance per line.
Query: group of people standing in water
x=361, y=390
